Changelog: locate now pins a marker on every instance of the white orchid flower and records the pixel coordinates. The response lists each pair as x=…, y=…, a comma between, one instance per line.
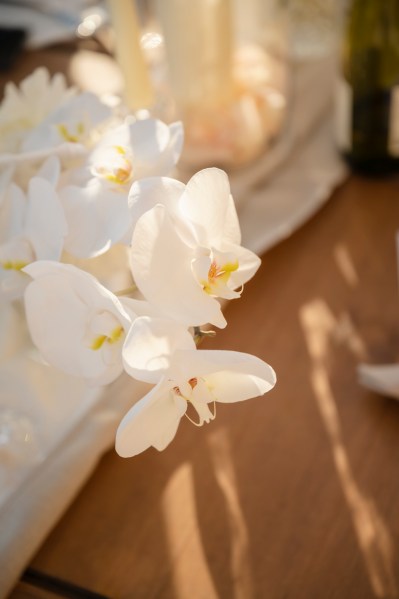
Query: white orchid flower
x=76, y=323
x=73, y=122
x=135, y=150
x=36, y=229
x=66, y=127
x=186, y=378
x=21, y=174
x=24, y=108
x=186, y=248
x=99, y=202
x=6, y=176
x=24, y=171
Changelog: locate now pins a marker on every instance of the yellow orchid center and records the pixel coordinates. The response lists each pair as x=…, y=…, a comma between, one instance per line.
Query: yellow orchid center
x=67, y=135
x=218, y=275
x=192, y=382
x=119, y=168
x=99, y=341
x=199, y=404
x=14, y=264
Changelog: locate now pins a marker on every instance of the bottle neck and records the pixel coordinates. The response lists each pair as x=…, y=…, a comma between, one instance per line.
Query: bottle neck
x=371, y=44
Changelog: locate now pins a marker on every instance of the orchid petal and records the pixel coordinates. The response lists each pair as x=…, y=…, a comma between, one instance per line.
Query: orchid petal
x=97, y=217
x=50, y=170
x=45, y=226
x=12, y=285
x=83, y=283
x=43, y=94
x=149, y=346
x=153, y=421
x=135, y=308
x=72, y=122
x=15, y=207
x=25, y=107
x=209, y=363
x=67, y=152
x=230, y=386
x=155, y=151
x=248, y=265
x=150, y=146
x=64, y=309
x=208, y=204
x=5, y=180
x=55, y=334
x=12, y=104
x=147, y=193
x=161, y=267
x=16, y=253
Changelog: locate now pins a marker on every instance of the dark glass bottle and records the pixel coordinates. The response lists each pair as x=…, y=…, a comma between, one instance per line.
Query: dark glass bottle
x=368, y=89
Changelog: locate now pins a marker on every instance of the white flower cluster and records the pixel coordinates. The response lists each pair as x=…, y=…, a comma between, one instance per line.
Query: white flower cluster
x=74, y=181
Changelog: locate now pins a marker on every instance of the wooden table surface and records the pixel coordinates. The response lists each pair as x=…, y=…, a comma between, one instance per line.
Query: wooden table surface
x=293, y=495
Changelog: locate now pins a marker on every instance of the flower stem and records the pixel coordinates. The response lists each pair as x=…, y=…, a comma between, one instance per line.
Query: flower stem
x=199, y=334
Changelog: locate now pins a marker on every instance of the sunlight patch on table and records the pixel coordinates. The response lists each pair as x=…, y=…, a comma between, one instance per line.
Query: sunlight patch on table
x=220, y=453
x=345, y=333
x=345, y=264
x=190, y=570
x=319, y=326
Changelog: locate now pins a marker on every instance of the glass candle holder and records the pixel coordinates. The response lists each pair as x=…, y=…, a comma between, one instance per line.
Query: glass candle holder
x=220, y=67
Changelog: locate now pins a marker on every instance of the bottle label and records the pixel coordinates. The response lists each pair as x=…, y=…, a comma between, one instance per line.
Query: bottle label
x=343, y=114
x=393, y=139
